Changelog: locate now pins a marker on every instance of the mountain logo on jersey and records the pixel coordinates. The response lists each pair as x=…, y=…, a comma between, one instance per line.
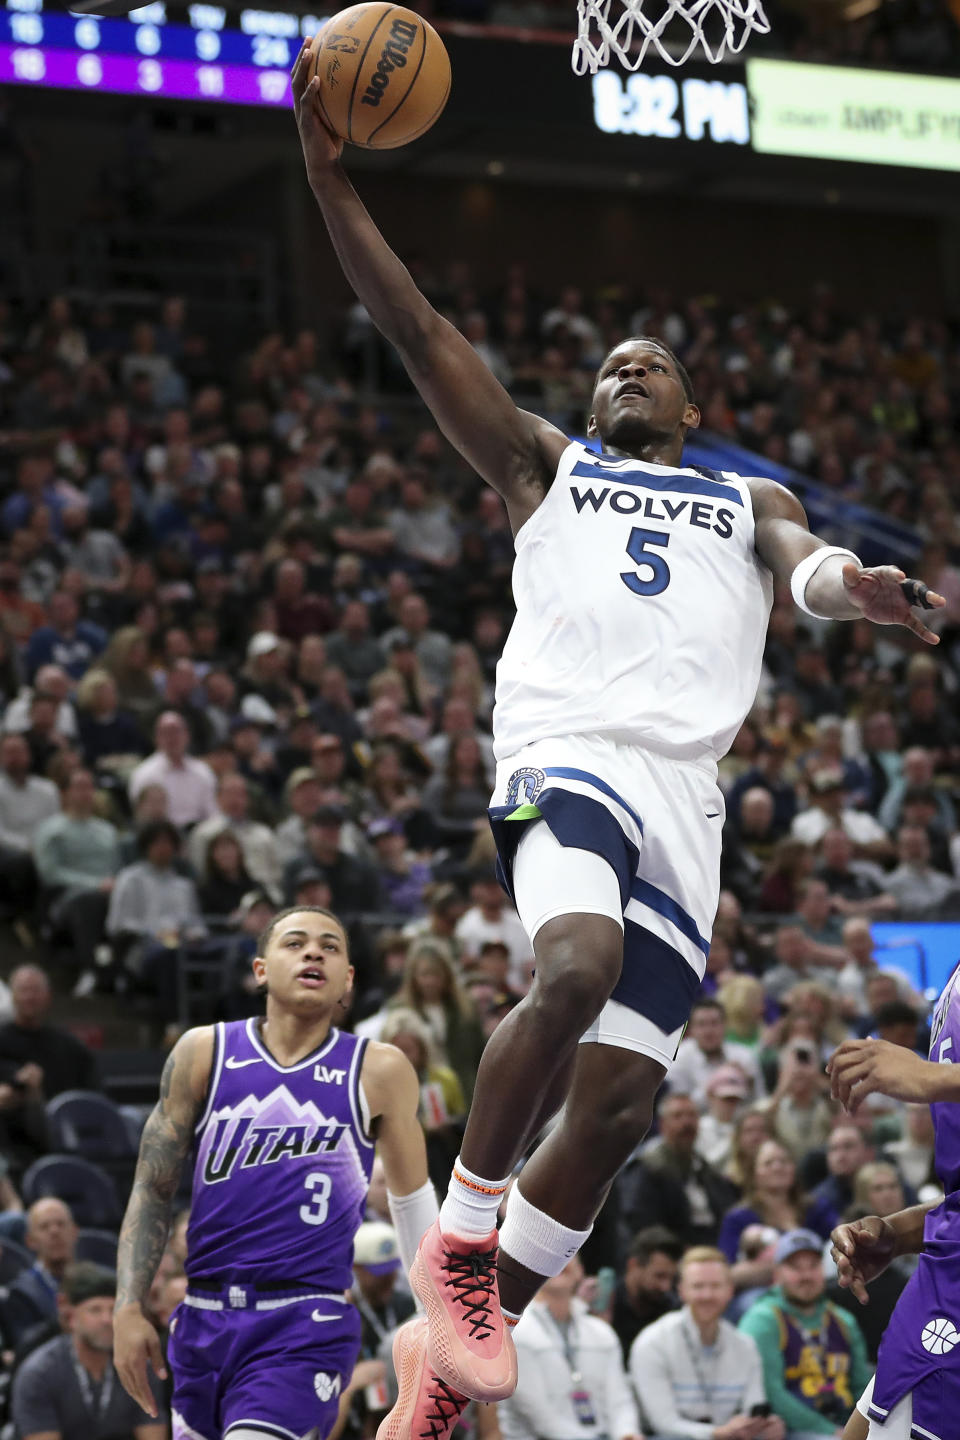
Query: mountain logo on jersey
x=264, y=1132
x=524, y=786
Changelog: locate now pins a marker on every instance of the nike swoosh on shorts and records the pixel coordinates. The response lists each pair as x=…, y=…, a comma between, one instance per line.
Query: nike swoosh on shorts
x=234, y=1064
x=320, y=1318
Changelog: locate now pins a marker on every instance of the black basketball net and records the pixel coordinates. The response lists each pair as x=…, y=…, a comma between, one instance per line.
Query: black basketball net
x=627, y=29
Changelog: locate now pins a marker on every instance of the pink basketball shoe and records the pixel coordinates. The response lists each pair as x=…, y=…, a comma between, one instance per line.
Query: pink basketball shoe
x=455, y=1278
x=427, y=1407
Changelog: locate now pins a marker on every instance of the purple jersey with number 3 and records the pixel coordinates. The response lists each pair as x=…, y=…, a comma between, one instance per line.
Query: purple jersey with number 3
x=920, y=1351
x=283, y=1161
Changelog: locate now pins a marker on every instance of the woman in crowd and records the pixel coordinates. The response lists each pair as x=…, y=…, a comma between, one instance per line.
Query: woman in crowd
x=127, y=659
x=225, y=879
x=109, y=737
x=442, y=1102
x=457, y=798
x=750, y=1131
x=743, y=1001
x=430, y=989
x=790, y=864
x=772, y=1198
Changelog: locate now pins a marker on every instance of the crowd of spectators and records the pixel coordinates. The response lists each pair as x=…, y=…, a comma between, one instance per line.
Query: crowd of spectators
x=250, y=615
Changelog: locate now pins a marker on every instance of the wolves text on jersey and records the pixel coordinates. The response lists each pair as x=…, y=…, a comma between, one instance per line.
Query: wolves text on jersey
x=702, y=514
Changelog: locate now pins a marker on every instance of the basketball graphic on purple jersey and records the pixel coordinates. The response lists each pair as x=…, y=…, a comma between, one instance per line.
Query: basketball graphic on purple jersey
x=939, y=1336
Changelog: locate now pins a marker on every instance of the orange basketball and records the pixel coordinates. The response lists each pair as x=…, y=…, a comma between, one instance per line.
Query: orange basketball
x=384, y=74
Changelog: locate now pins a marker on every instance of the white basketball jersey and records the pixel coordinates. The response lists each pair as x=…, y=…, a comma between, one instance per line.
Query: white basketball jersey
x=642, y=610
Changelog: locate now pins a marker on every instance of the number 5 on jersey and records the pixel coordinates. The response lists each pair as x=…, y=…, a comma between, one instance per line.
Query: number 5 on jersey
x=637, y=550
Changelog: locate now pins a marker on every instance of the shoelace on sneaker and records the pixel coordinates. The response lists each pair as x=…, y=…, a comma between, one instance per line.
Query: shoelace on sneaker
x=448, y=1406
x=473, y=1277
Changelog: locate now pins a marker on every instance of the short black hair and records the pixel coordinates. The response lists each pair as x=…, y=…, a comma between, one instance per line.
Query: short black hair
x=655, y=1240
x=153, y=830
x=896, y=1012
x=83, y=1280
x=707, y=1002
x=652, y=340
x=267, y=935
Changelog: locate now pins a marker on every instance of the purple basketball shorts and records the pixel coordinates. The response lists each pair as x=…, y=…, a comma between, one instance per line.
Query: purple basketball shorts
x=278, y=1370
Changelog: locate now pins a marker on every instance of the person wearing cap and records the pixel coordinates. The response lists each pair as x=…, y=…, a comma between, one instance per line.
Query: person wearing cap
x=68, y=1388
x=354, y=883
x=376, y=1270
x=190, y=783
x=813, y=1353
x=727, y=1089
x=265, y=671
x=828, y=809
x=696, y=1376
x=403, y=878
x=383, y=1306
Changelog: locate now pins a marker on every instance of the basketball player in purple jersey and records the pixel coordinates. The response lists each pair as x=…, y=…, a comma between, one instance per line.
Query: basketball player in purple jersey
x=283, y=1115
x=916, y=1390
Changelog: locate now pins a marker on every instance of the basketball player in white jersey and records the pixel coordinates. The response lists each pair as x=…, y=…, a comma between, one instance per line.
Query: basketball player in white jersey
x=643, y=589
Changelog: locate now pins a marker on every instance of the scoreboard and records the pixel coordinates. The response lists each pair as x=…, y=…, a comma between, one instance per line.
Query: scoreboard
x=183, y=52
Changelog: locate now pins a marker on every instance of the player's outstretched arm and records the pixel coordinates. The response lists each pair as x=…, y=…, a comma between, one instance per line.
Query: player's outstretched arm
x=859, y=1068
x=514, y=451
x=836, y=588
x=164, y=1146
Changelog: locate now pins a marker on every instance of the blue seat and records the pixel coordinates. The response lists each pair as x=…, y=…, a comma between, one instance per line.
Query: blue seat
x=81, y=1122
x=83, y=1186
x=100, y=1246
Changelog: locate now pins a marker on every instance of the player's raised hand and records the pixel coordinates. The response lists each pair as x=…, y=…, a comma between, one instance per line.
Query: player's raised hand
x=321, y=148
x=136, y=1347
x=859, y=1068
x=861, y=1251
x=886, y=596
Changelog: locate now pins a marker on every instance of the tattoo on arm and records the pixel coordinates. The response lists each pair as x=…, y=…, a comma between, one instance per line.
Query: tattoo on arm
x=165, y=1144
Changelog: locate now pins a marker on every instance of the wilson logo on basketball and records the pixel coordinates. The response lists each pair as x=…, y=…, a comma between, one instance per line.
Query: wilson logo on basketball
x=394, y=57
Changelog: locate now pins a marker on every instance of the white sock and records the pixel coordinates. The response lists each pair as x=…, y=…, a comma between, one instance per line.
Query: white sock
x=472, y=1203
x=535, y=1239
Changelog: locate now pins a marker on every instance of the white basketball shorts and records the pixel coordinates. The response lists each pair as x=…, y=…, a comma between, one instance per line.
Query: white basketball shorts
x=642, y=833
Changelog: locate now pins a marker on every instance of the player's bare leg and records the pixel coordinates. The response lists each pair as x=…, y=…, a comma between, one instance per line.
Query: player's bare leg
x=608, y=1112
x=579, y=958
x=578, y=962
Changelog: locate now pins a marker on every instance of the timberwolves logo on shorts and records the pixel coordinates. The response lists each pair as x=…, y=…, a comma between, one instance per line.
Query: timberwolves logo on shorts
x=524, y=786
x=939, y=1336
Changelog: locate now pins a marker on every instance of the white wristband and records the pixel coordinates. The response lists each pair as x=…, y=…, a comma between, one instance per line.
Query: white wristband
x=412, y=1216
x=806, y=570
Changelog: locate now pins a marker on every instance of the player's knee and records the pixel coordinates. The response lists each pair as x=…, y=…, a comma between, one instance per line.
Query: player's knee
x=620, y=1111
x=579, y=959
